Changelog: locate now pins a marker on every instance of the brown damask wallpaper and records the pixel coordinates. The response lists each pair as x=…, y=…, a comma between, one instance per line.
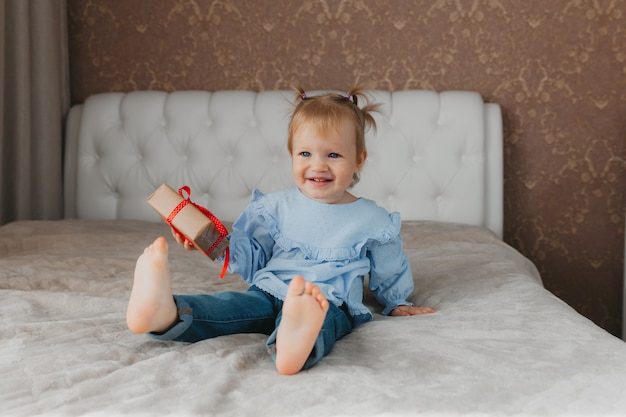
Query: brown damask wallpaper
x=557, y=68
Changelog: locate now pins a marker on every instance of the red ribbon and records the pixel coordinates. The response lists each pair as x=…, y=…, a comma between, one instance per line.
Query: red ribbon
x=221, y=229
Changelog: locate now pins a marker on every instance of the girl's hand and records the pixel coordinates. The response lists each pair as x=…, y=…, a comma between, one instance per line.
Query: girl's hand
x=182, y=241
x=411, y=311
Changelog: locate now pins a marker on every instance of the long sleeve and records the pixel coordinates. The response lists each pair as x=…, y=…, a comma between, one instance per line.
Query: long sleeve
x=251, y=245
x=391, y=279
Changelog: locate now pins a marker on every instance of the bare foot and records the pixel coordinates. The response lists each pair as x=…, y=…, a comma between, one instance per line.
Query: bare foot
x=151, y=307
x=304, y=312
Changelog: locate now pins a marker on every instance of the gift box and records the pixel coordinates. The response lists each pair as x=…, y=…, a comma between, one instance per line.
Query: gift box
x=195, y=223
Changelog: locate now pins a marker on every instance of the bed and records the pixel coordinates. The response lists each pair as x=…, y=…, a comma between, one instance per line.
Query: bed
x=500, y=343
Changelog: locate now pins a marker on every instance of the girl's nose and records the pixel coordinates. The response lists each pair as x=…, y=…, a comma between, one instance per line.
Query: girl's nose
x=319, y=164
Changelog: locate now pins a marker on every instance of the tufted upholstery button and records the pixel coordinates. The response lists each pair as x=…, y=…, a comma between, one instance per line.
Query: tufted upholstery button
x=424, y=160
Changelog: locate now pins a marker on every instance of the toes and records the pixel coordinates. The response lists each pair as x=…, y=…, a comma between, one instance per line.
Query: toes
x=296, y=286
x=316, y=292
x=319, y=297
x=160, y=244
x=309, y=288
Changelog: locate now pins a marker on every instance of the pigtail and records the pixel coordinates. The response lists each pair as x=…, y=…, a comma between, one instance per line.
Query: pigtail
x=301, y=94
x=366, y=111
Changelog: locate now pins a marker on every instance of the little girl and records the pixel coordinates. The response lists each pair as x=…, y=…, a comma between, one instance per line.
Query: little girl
x=304, y=251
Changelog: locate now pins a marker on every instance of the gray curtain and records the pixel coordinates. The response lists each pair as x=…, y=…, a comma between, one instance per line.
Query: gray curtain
x=34, y=97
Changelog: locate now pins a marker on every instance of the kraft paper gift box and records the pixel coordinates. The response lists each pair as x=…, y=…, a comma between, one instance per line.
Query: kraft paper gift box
x=195, y=225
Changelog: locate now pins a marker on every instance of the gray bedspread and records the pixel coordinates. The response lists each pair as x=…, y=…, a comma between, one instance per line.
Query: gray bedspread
x=500, y=344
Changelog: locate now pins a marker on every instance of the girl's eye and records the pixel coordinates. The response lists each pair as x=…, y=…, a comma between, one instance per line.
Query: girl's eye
x=305, y=153
x=334, y=155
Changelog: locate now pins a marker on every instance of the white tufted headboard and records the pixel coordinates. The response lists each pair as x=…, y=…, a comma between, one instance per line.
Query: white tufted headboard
x=435, y=156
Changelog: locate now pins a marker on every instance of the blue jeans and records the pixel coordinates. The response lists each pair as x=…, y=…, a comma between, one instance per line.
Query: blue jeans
x=205, y=316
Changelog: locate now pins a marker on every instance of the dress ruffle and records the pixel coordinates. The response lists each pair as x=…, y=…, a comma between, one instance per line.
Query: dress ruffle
x=374, y=225
x=283, y=234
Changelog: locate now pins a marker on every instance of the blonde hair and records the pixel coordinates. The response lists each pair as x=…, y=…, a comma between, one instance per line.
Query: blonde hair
x=327, y=111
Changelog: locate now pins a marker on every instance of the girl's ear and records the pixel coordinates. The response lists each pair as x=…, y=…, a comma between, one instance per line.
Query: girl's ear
x=360, y=161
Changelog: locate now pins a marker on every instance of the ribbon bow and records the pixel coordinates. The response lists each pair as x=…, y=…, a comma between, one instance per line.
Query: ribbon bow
x=221, y=229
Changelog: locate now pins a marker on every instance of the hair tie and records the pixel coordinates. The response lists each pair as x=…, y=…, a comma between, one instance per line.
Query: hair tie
x=352, y=98
x=304, y=96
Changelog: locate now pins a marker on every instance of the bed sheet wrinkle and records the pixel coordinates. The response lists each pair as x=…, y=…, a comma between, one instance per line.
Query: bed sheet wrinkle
x=65, y=346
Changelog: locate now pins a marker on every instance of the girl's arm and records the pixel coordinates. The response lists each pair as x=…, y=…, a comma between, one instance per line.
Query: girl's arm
x=251, y=244
x=391, y=279
x=249, y=250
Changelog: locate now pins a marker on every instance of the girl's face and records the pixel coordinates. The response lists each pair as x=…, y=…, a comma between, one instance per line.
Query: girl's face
x=323, y=165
